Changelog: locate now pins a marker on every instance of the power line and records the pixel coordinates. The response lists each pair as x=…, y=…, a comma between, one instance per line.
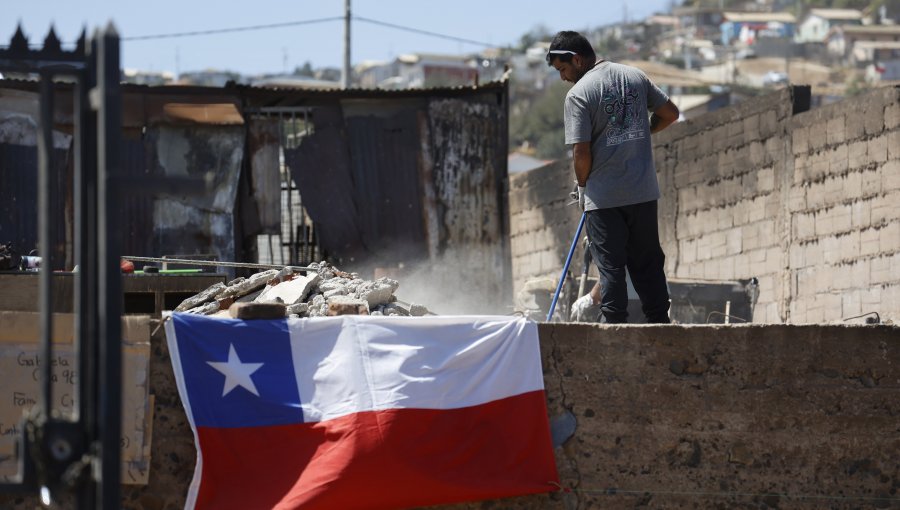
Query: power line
x=232, y=29
x=423, y=32
x=307, y=22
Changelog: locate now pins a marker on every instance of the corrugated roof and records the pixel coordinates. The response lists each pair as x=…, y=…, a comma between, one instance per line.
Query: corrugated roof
x=667, y=75
x=869, y=29
x=836, y=13
x=760, y=17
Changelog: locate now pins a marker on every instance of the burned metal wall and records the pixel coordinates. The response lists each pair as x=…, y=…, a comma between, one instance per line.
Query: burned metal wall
x=413, y=187
x=403, y=183
x=18, y=177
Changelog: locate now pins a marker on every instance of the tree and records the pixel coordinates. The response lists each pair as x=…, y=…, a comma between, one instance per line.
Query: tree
x=541, y=123
x=536, y=34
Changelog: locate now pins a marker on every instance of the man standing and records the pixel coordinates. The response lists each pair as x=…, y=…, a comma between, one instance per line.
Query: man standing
x=608, y=127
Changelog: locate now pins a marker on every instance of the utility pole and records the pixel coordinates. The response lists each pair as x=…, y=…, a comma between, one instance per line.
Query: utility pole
x=345, y=76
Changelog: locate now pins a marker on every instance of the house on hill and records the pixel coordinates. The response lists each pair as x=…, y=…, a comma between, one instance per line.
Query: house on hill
x=817, y=24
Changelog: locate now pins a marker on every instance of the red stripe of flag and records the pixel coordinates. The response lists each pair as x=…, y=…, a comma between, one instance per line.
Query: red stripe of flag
x=382, y=459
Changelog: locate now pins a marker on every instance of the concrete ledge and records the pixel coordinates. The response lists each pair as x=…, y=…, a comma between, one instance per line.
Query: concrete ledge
x=744, y=416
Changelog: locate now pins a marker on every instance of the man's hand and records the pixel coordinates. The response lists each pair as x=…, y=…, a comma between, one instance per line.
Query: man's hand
x=663, y=117
x=577, y=195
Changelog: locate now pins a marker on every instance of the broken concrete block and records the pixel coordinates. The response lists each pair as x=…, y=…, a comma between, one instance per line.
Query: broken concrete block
x=194, y=301
x=345, y=305
x=205, y=309
x=290, y=291
x=335, y=292
x=378, y=292
x=333, y=284
x=395, y=309
x=298, y=309
x=317, y=306
x=248, y=285
x=252, y=311
x=416, y=310
x=323, y=269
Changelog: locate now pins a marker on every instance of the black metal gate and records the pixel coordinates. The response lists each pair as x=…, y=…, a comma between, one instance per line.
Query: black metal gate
x=297, y=244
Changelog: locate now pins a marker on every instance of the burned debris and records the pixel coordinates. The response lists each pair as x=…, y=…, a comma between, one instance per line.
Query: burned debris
x=318, y=290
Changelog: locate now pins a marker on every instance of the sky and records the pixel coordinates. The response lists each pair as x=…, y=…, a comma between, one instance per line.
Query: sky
x=275, y=50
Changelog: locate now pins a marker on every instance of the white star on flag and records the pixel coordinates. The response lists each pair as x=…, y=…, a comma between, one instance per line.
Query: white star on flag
x=236, y=373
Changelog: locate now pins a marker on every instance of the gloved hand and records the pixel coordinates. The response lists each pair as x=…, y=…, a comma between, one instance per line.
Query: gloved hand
x=577, y=195
x=584, y=309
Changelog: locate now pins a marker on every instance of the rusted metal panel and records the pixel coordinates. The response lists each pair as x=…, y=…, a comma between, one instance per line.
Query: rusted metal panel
x=468, y=155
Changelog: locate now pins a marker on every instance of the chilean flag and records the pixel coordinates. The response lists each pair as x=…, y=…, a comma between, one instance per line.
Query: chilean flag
x=360, y=412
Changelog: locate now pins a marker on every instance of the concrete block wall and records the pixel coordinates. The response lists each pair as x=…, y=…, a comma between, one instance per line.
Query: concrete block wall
x=720, y=212
x=845, y=209
x=542, y=221
x=807, y=203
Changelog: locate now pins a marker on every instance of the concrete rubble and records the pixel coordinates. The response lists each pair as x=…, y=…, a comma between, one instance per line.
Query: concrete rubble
x=321, y=291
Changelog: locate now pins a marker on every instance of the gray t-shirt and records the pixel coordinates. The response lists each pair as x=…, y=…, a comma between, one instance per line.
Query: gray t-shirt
x=608, y=107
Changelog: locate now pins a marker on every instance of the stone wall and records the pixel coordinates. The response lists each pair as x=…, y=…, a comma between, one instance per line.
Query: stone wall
x=751, y=416
x=808, y=203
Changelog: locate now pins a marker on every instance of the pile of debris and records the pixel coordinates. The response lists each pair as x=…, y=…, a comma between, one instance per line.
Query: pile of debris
x=320, y=291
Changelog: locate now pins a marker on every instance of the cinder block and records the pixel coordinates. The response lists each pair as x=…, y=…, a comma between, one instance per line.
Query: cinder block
x=733, y=244
x=859, y=274
x=858, y=154
x=894, y=145
x=835, y=130
x=838, y=159
x=884, y=209
x=801, y=168
x=855, y=125
x=800, y=140
x=850, y=245
x=892, y=116
x=742, y=266
x=818, y=165
x=852, y=185
x=817, y=136
x=797, y=200
x=861, y=212
x=751, y=128
x=768, y=124
x=726, y=268
x=877, y=149
x=890, y=173
x=851, y=304
x=869, y=241
x=874, y=118
x=841, y=218
x=803, y=225
x=871, y=182
x=765, y=179
x=889, y=237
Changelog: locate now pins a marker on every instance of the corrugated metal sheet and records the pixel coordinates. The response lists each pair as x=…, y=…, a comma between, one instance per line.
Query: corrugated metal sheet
x=18, y=199
x=137, y=210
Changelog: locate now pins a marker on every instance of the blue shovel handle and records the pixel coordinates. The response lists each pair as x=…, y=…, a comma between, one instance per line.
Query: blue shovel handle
x=565, y=270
